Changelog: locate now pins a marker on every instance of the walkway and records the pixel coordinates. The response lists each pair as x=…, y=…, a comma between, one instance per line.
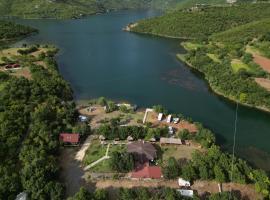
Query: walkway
x=81, y=153
x=99, y=160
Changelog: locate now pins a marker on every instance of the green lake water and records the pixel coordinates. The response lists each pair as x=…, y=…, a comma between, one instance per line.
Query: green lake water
x=99, y=59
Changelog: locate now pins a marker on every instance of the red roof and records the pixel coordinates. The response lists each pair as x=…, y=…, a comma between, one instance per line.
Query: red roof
x=153, y=172
x=70, y=137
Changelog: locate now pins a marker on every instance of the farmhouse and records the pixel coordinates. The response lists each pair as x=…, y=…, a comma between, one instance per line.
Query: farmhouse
x=147, y=172
x=143, y=151
x=70, y=138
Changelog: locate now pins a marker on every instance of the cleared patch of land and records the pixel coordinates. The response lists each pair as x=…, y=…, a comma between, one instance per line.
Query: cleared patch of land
x=265, y=83
x=238, y=64
x=98, y=116
x=214, y=57
x=263, y=62
x=178, y=152
x=182, y=125
x=190, y=45
x=94, y=152
x=246, y=191
x=102, y=184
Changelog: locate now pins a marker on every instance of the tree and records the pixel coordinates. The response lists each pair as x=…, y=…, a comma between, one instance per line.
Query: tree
x=122, y=161
x=83, y=194
x=188, y=172
x=172, y=169
x=219, y=174
x=101, y=195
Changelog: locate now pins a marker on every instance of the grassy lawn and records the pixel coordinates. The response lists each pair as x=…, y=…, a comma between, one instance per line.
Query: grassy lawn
x=263, y=48
x=252, y=50
x=102, y=167
x=178, y=152
x=190, y=46
x=238, y=64
x=214, y=57
x=2, y=85
x=95, y=152
x=181, y=57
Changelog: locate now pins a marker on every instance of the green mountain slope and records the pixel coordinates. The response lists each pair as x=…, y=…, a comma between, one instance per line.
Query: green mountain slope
x=10, y=31
x=78, y=8
x=245, y=32
x=203, y=22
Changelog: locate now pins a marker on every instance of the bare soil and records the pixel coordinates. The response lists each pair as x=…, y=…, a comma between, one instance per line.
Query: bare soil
x=153, y=118
x=98, y=115
x=262, y=61
x=245, y=192
x=102, y=184
x=263, y=82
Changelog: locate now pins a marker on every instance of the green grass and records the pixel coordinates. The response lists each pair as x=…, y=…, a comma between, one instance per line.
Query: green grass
x=95, y=152
x=178, y=152
x=2, y=85
x=190, y=46
x=102, y=167
x=238, y=64
x=263, y=48
x=214, y=57
x=181, y=57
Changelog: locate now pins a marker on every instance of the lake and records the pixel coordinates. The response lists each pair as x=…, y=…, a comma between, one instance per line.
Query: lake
x=99, y=59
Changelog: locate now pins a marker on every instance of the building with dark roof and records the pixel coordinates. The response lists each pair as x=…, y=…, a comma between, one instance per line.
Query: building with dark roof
x=142, y=151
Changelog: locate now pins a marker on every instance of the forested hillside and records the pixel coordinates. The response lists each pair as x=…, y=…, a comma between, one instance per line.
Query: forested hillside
x=33, y=112
x=11, y=31
x=204, y=21
x=230, y=46
x=243, y=33
x=79, y=8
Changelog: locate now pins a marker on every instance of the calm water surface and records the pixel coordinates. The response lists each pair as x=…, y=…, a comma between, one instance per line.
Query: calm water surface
x=99, y=59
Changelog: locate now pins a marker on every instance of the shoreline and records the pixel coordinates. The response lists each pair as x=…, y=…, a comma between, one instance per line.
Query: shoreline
x=130, y=26
x=219, y=93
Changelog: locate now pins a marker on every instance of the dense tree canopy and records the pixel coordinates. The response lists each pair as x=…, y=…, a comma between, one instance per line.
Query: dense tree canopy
x=32, y=114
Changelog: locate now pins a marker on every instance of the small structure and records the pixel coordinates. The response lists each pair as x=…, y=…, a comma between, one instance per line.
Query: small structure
x=160, y=116
x=12, y=66
x=130, y=138
x=102, y=138
x=175, y=141
x=70, y=138
x=183, y=183
x=22, y=196
x=186, y=193
x=171, y=131
x=169, y=118
x=147, y=172
x=143, y=151
x=83, y=118
x=176, y=120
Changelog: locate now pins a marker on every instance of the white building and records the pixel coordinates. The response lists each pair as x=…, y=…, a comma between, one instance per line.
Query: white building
x=183, y=183
x=186, y=193
x=83, y=118
x=160, y=116
x=169, y=118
